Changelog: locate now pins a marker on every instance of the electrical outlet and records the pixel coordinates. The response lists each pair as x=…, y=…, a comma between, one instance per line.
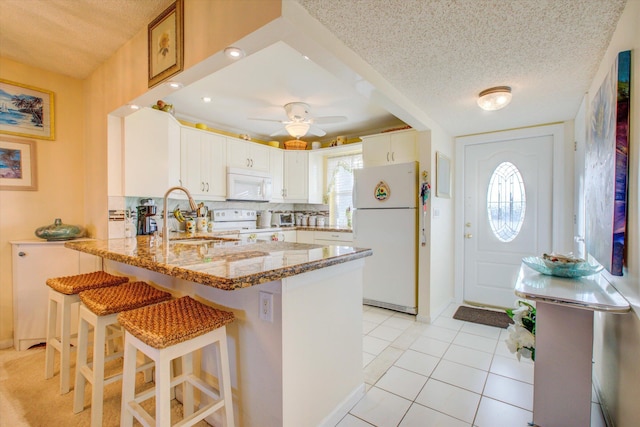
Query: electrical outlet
x=266, y=306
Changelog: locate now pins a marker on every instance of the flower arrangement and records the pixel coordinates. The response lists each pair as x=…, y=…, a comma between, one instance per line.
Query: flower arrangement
x=522, y=334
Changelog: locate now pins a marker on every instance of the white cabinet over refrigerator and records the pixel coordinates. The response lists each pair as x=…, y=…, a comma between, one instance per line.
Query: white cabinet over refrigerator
x=385, y=220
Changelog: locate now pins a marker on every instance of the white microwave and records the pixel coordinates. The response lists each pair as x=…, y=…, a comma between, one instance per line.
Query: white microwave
x=247, y=185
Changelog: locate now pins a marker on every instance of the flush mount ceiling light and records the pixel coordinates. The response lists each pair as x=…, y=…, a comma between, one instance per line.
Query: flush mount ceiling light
x=234, y=52
x=494, y=98
x=206, y=99
x=297, y=130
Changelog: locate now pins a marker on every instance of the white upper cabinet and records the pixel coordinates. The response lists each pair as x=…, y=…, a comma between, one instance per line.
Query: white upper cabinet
x=247, y=155
x=296, y=176
x=151, y=153
x=203, y=163
x=276, y=169
x=389, y=148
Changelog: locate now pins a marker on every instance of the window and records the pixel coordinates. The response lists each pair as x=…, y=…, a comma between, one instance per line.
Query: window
x=340, y=187
x=506, y=202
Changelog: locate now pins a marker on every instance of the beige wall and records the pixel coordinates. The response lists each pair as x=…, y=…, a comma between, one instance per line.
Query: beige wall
x=72, y=170
x=617, y=337
x=209, y=27
x=60, y=168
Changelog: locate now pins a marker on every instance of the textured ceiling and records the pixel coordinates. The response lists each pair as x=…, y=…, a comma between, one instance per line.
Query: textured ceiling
x=439, y=54
x=71, y=37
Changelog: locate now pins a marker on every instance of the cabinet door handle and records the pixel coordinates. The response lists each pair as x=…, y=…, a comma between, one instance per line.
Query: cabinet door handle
x=387, y=156
x=201, y=185
x=393, y=156
x=22, y=254
x=248, y=161
x=251, y=162
x=207, y=187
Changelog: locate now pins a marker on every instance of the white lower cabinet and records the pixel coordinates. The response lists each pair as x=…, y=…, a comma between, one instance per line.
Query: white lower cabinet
x=333, y=238
x=33, y=262
x=325, y=237
x=304, y=236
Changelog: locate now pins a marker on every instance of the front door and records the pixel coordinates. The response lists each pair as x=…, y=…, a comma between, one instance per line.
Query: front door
x=507, y=196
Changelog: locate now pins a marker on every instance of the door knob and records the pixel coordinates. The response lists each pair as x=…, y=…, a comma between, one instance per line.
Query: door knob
x=21, y=253
x=468, y=236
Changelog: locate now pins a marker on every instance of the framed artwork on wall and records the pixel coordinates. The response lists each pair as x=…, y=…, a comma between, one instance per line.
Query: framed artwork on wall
x=166, y=44
x=606, y=167
x=18, y=164
x=26, y=111
x=443, y=176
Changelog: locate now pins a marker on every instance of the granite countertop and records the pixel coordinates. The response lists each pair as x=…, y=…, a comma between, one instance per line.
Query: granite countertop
x=223, y=263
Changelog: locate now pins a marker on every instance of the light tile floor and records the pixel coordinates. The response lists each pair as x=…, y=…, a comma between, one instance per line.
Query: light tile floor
x=448, y=373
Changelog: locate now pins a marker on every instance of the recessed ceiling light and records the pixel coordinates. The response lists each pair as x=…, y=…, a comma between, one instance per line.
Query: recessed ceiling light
x=174, y=85
x=494, y=98
x=305, y=57
x=206, y=99
x=234, y=52
x=134, y=106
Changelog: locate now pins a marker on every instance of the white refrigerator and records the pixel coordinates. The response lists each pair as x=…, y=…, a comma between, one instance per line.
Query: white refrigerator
x=385, y=199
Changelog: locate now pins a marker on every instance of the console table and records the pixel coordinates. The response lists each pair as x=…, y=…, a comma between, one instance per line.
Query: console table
x=564, y=342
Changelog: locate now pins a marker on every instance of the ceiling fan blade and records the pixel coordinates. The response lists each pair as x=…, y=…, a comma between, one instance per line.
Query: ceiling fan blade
x=328, y=119
x=267, y=120
x=280, y=132
x=315, y=130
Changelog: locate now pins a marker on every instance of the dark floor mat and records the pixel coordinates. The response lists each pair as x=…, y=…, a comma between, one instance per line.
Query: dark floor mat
x=485, y=317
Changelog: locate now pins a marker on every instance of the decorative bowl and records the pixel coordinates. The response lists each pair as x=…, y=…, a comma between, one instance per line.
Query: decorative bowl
x=560, y=261
x=573, y=270
x=59, y=231
x=201, y=126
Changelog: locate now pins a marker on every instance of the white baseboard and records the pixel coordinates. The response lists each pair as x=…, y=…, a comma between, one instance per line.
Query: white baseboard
x=608, y=420
x=343, y=409
x=6, y=344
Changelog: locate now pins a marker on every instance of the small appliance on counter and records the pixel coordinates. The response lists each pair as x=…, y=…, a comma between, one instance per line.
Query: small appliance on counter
x=264, y=219
x=146, y=221
x=282, y=219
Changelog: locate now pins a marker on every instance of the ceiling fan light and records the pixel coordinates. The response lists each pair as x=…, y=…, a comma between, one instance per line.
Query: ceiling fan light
x=297, y=130
x=494, y=98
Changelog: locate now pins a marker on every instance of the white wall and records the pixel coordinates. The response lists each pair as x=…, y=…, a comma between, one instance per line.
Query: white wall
x=617, y=337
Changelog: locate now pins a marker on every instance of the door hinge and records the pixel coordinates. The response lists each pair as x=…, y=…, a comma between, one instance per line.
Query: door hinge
x=575, y=145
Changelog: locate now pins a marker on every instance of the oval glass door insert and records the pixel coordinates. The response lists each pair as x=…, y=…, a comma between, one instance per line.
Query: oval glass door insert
x=506, y=202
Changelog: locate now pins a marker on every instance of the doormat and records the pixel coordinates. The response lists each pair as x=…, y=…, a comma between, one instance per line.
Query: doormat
x=486, y=317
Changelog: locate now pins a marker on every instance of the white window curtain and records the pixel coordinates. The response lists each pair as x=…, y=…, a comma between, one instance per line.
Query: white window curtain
x=340, y=187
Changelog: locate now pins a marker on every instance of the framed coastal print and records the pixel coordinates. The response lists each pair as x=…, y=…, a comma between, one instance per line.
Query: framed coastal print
x=26, y=111
x=18, y=164
x=166, y=44
x=443, y=176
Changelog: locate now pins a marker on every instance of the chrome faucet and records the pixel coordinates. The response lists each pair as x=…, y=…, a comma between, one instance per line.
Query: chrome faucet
x=165, y=224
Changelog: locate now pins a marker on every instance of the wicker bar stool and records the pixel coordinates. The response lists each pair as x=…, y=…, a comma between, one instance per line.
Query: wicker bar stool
x=63, y=294
x=165, y=332
x=99, y=309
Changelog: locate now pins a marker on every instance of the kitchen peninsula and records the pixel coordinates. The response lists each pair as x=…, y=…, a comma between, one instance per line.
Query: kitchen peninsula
x=296, y=345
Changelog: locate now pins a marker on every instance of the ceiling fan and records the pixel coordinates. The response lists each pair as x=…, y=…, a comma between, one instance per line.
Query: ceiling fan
x=300, y=121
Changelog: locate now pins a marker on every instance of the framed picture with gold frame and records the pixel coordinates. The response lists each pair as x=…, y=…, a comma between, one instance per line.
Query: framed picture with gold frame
x=26, y=111
x=166, y=44
x=18, y=164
